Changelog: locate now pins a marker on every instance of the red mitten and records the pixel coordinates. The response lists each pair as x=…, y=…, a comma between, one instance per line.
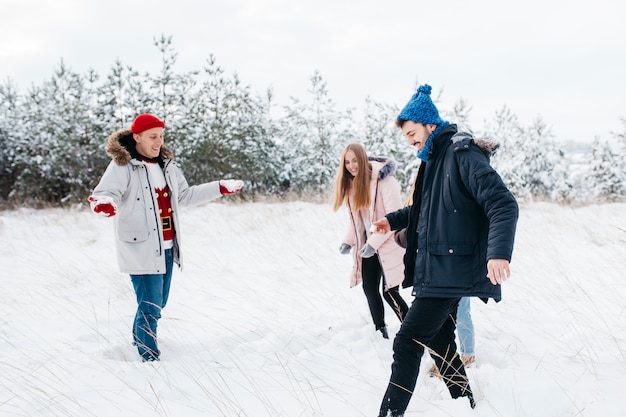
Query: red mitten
x=104, y=206
x=228, y=187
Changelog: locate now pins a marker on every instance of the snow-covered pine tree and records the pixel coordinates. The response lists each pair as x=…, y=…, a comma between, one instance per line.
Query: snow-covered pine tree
x=383, y=138
x=459, y=115
x=164, y=83
x=605, y=179
x=262, y=164
x=9, y=129
x=113, y=108
x=544, y=165
x=313, y=134
x=206, y=145
x=505, y=130
x=621, y=140
x=225, y=131
x=54, y=149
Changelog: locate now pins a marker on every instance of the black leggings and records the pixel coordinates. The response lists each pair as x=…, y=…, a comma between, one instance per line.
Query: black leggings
x=372, y=272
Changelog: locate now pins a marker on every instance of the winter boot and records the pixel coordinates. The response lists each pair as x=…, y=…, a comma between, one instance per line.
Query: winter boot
x=383, y=330
x=391, y=414
x=468, y=360
x=470, y=397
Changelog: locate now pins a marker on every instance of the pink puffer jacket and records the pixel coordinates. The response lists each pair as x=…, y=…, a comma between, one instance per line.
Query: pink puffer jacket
x=386, y=198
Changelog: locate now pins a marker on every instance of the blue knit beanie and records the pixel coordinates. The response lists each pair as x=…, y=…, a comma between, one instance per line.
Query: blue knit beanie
x=421, y=108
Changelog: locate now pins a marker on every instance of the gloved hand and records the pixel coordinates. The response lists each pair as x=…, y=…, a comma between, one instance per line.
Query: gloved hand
x=103, y=205
x=367, y=251
x=228, y=187
x=345, y=248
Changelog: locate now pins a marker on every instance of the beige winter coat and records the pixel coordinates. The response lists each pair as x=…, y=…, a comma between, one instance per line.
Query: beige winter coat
x=386, y=198
x=138, y=228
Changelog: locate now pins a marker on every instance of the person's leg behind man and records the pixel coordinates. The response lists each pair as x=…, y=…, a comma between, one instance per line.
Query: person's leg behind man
x=396, y=302
x=465, y=330
x=443, y=350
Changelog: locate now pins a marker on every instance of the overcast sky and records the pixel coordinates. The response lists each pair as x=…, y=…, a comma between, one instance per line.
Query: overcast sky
x=564, y=61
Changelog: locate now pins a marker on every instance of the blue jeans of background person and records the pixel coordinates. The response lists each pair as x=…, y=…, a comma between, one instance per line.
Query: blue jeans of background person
x=152, y=291
x=430, y=323
x=465, y=327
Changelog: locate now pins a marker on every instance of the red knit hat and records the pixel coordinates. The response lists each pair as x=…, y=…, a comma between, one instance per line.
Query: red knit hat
x=146, y=121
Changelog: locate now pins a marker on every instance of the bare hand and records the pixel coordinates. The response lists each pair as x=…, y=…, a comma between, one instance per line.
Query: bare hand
x=498, y=271
x=381, y=226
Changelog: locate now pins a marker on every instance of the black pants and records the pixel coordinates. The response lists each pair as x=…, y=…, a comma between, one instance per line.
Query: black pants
x=372, y=272
x=430, y=323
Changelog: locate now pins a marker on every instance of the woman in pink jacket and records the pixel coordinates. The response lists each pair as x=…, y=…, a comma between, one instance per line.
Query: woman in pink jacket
x=369, y=190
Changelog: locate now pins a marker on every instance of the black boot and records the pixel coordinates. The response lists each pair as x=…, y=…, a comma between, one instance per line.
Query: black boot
x=470, y=397
x=383, y=330
x=391, y=414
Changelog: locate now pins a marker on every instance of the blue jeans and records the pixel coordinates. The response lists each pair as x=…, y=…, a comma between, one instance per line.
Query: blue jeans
x=465, y=327
x=152, y=291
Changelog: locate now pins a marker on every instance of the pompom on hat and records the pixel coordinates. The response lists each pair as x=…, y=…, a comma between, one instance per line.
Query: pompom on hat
x=421, y=108
x=146, y=121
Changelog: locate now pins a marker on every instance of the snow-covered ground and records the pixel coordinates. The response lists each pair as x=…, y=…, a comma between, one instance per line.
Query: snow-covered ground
x=261, y=321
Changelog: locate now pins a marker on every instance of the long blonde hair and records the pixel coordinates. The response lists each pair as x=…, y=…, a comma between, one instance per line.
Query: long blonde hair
x=360, y=183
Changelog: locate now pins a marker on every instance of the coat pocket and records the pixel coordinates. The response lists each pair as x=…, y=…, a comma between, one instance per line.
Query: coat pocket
x=131, y=236
x=452, y=264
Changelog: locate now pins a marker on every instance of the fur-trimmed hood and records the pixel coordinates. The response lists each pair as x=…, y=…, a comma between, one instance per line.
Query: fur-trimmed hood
x=387, y=169
x=120, y=147
x=487, y=146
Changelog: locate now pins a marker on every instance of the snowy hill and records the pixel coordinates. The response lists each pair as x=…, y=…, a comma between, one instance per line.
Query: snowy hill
x=261, y=321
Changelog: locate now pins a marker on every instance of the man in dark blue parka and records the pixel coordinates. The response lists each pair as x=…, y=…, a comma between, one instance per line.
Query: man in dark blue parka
x=460, y=230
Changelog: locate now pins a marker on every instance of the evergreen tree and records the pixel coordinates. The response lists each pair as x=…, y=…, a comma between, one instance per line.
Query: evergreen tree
x=543, y=165
x=164, y=84
x=621, y=139
x=225, y=136
x=116, y=99
x=459, y=115
x=56, y=148
x=263, y=156
x=606, y=176
x=173, y=97
x=505, y=130
x=313, y=135
x=52, y=138
x=9, y=131
x=383, y=138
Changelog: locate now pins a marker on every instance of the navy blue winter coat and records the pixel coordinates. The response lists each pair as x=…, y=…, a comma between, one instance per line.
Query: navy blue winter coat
x=462, y=215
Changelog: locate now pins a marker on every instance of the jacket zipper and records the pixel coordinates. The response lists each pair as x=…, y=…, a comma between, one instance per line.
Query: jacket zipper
x=154, y=209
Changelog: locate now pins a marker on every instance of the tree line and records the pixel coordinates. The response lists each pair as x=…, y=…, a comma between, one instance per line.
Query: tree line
x=52, y=137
